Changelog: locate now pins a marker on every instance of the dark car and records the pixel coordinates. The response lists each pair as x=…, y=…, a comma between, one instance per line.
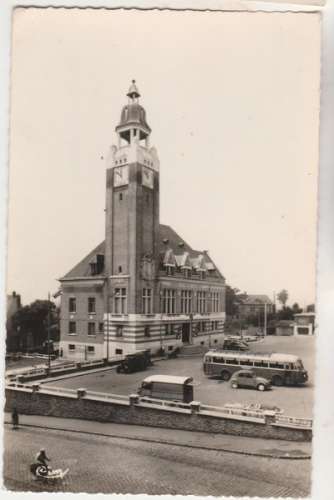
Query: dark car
x=135, y=362
x=235, y=345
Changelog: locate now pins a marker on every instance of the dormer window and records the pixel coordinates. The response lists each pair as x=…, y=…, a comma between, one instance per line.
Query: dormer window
x=202, y=274
x=170, y=270
x=186, y=272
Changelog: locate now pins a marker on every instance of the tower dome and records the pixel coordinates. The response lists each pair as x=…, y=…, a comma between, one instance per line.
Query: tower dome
x=133, y=116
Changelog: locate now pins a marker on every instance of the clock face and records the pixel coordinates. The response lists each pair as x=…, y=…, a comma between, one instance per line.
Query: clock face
x=147, y=177
x=121, y=175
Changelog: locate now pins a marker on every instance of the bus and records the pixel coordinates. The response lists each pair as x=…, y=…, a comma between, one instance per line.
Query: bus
x=280, y=369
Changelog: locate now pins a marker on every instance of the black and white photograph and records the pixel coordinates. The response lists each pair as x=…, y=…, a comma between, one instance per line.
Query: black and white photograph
x=161, y=314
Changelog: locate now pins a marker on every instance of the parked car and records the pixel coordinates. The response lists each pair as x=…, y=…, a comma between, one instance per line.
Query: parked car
x=249, y=379
x=135, y=362
x=235, y=345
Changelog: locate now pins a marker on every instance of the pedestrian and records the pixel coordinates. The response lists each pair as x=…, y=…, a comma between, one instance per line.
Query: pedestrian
x=15, y=418
x=42, y=458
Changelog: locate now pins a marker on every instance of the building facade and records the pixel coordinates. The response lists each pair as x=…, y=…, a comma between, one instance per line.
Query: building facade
x=13, y=336
x=304, y=323
x=255, y=305
x=143, y=287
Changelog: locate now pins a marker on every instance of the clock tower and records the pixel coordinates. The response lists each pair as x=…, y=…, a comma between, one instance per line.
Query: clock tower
x=132, y=212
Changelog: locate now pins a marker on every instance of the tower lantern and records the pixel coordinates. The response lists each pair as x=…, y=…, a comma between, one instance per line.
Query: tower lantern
x=133, y=127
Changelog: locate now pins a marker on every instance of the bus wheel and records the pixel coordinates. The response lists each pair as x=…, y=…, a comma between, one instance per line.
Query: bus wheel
x=277, y=380
x=260, y=387
x=226, y=376
x=234, y=385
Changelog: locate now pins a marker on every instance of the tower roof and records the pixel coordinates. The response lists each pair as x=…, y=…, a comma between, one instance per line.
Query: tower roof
x=133, y=114
x=133, y=90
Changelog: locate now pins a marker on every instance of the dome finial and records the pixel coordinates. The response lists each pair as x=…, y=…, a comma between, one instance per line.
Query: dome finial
x=133, y=92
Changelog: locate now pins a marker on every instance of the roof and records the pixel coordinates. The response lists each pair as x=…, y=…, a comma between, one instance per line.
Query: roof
x=82, y=269
x=169, y=241
x=168, y=379
x=256, y=299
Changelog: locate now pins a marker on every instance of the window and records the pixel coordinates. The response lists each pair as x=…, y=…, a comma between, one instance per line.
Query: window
x=72, y=328
x=91, y=349
x=170, y=347
x=202, y=274
x=186, y=301
x=169, y=269
x=91, y=305
x=91, y=328
x=214, y=301
x=169, y=329
x=147, y=331
x=120, y=196
x=215, y=341
x=119, y=269
x=169, y=301
x=71, y=347
x=147, y=301
x=232, y=362
x=119, y=351
x=119, y=331
x=247, y=362
x=72, y=305
x=120, y=301
x=101, y=327
x=201, y=302
x=218, y=360
x=186, y=272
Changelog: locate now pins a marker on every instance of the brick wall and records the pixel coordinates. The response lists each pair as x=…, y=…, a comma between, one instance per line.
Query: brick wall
x=89, y=409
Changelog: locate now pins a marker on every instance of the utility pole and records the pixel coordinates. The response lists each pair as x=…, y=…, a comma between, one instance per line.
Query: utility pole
x=49, y=328
x=265, y=320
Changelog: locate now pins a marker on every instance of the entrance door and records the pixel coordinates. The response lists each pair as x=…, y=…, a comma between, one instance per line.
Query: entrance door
x=185, y=333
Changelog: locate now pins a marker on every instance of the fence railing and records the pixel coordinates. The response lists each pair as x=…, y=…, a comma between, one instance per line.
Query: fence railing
x=294, y=421
x=193, y=407
x=165, y=404
x=239, y=412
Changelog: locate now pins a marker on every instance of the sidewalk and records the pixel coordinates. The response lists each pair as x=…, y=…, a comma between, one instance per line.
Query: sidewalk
x=201, y=440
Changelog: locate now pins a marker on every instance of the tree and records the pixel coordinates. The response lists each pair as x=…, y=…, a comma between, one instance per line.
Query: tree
x=233, y=297
x=296, y=309
x=282, y=297
x=32, y=321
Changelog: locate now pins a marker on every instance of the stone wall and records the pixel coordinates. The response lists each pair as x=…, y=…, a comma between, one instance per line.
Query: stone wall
x=71, y=406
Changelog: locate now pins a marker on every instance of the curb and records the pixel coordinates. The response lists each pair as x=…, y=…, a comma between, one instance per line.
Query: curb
x=283, y=456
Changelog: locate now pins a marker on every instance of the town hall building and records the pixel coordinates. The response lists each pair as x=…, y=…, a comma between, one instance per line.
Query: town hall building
x=143, y=287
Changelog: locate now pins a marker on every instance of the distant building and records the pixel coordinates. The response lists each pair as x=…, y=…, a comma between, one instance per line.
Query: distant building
x=143, y=287
x=284, y=327
x=304, y=323
x=255, y=305
x=12, y=338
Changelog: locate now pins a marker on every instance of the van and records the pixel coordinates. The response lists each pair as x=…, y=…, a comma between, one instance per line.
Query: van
x=169, y=387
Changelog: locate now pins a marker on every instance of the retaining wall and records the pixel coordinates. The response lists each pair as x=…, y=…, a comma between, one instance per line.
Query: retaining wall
x=131, y=412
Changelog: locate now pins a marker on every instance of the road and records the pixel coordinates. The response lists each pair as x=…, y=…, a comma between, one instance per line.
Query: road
x=110, y=465
x=295, y=401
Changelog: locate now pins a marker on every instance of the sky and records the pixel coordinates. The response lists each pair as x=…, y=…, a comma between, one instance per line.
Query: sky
x=233, y=103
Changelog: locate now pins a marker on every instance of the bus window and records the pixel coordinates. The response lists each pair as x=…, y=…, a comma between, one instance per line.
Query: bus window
x=218, y=360
x=231, y=362
x=299, y=365
x=273, y=365
x=279, y=365
x=247, y=362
